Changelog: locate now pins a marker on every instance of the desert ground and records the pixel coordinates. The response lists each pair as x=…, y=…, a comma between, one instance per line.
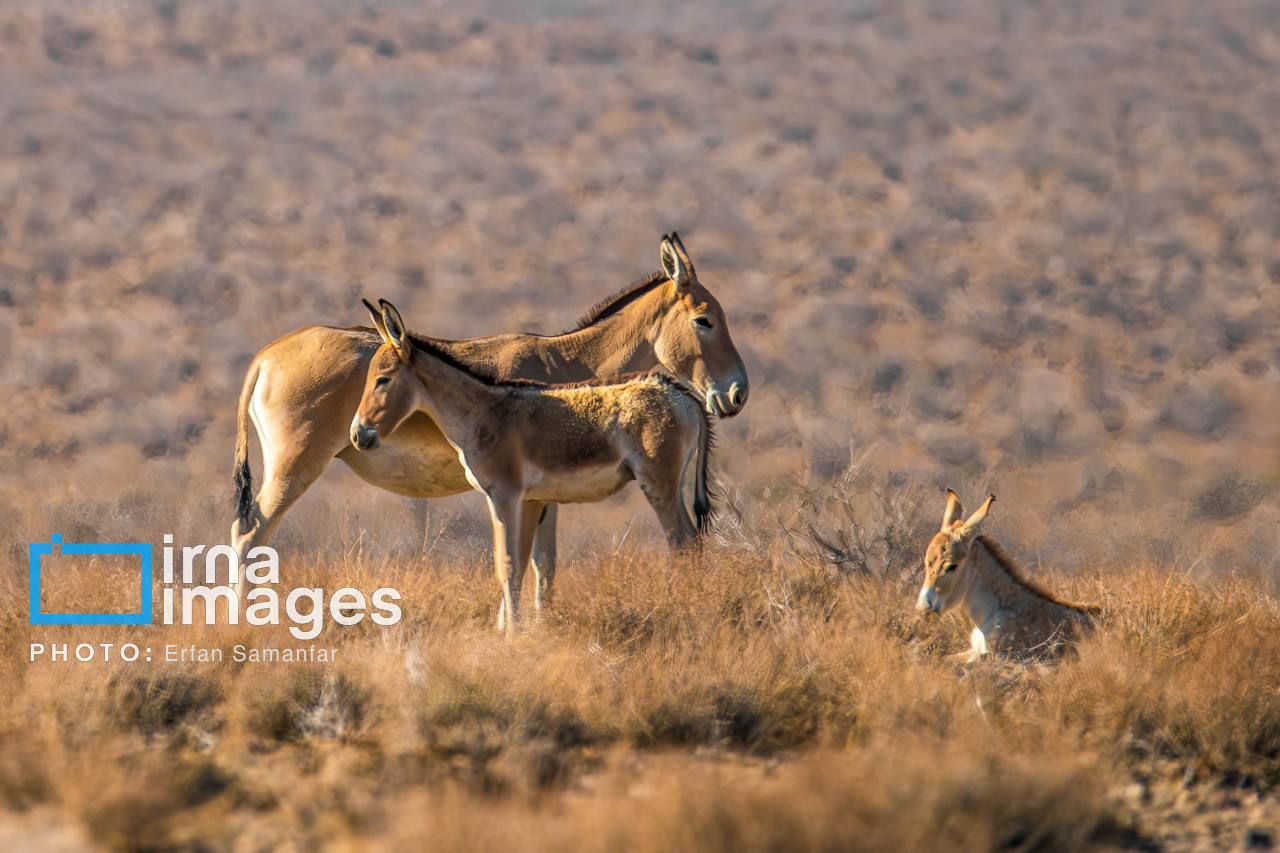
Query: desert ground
x=1031, y=249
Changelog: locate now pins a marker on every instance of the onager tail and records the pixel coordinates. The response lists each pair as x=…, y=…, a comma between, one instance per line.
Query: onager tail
x=703, y=495
x=241, y=474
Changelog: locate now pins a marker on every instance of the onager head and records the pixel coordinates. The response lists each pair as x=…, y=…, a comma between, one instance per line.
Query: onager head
x=944, y=561
x=393, y=391
x=692, y=339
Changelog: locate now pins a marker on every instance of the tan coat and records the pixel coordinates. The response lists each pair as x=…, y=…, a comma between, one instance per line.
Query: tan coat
x=1008, y=613
x=526, y=444
x=302, y=391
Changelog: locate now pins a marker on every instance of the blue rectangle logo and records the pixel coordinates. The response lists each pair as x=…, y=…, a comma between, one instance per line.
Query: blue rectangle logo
x=141, y=549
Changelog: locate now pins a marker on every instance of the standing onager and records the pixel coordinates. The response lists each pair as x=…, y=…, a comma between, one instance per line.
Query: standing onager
x=1009, y=613
x=525, y=444
x=302, y=391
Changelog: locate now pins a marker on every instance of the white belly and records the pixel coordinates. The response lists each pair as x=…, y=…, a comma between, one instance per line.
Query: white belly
x=586, y=485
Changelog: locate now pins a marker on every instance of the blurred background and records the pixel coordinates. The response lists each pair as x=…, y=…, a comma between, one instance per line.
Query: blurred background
x=1028, y=248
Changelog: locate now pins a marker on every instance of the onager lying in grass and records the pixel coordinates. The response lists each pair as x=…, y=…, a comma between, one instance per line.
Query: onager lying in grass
x=1009, y=613
x=525, y=444
x=301, y=392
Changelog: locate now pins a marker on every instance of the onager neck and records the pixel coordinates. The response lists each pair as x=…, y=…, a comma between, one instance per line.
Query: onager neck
x=621, y=342
x=994, y=590
x=452, y=394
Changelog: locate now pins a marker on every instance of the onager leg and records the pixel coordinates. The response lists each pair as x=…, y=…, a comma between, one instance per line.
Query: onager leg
x=286, y=480
x=297, y=446
x=507, y=514
x=978, y=645
x=530, y=512
x=544, y=556
x=668, y=505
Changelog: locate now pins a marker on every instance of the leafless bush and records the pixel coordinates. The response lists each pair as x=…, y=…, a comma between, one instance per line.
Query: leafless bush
x=862, y=523
x=311, y=705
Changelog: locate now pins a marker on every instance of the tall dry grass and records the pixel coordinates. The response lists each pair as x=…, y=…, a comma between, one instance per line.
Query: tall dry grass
x=768, y=698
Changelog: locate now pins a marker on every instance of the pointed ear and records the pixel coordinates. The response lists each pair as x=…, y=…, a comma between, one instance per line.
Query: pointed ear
x=971, y=526
x=683, y=255
x=952, y=513
x=377, y=319
x=672, y=265
x=393, y=329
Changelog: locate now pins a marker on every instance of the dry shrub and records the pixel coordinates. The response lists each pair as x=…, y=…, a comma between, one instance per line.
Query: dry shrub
x=155, y=703
x=1181, y=674
x=312, y=703
x=155, y=800
x=925, y=794
x=861, y=522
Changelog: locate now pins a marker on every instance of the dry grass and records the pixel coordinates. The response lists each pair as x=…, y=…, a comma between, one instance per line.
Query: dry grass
x=766, y=700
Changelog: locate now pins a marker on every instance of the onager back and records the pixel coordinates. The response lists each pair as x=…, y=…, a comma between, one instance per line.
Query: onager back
x=525, y=444
x=1009, y=614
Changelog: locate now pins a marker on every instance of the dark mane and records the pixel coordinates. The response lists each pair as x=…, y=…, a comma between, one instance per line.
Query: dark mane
x=611, y=305
x=432, y=348
x=1004, y=561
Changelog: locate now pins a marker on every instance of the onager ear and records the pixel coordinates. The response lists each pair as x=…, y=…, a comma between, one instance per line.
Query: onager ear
x=952, y=513
x=672, y=265
x=971, y=526
x=377, y=319
x=393, y=329
x=683, y=255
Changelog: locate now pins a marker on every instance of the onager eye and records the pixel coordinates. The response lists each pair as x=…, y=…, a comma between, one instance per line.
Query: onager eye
x=950, y=567
x=702, y=321
x=382, y=380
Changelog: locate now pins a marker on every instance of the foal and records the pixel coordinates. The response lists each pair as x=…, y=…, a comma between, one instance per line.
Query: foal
x=525, y=444
x=1009, y=613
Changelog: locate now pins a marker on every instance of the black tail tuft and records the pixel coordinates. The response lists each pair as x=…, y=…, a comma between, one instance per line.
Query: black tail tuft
x=244, y=490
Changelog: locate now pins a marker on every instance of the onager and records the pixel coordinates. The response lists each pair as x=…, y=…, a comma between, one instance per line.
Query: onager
x=525, y=444
x=1010, y=614
x=302, y=391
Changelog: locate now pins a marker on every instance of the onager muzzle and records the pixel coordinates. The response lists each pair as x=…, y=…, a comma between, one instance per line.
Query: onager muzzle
x=363, y=436
x=929, y=601
x=724, y=405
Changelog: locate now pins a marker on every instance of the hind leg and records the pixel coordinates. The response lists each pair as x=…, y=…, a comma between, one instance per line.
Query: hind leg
x=544, y=556
x=286, y=480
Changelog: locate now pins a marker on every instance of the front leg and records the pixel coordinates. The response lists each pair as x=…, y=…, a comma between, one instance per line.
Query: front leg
x=977, y=645
x=668, y=506
x=505, y=513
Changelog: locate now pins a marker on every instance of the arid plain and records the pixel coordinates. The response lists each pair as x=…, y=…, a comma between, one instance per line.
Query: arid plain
x=1023, y=248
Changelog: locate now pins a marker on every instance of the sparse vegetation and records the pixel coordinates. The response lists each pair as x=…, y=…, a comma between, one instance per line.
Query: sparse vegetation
x=705, y=704
x=1022, y=248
